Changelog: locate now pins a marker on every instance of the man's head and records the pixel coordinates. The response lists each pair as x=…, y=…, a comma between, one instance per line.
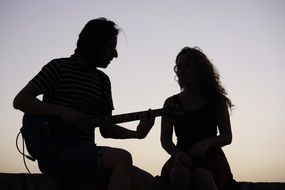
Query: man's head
x=97, y=42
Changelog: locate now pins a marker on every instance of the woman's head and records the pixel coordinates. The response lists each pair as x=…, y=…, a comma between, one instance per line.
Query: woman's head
x=194, y=69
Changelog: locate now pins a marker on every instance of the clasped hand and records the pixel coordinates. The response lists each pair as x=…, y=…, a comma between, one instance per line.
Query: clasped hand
x=182, y=159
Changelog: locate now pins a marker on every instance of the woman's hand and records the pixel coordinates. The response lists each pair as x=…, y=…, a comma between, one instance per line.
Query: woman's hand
x=145, y=124
x=183, y=159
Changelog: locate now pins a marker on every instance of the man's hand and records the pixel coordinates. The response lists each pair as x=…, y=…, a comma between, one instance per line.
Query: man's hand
x=145, y=124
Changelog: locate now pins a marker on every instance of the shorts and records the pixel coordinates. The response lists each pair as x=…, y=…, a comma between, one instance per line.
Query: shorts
x=84, y=160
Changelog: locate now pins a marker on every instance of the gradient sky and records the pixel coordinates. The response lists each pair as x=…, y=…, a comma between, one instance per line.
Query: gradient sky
x=244, y=39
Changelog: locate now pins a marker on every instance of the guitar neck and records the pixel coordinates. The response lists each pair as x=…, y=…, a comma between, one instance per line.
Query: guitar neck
x=127, y=117
x=134, y=116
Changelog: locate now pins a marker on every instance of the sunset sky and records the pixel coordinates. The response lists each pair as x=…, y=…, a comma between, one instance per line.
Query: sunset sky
x=244, y=39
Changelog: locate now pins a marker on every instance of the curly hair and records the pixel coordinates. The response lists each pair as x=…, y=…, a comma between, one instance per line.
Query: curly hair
x=210, y=84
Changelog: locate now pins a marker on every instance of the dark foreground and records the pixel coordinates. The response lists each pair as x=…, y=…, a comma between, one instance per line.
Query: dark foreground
x=23, y=181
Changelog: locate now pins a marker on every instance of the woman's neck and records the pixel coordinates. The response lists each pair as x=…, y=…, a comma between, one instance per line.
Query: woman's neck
x=194, y=91
x=192, y=98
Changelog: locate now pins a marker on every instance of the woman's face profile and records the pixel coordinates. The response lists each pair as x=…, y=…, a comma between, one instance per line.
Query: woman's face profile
x=186, y=70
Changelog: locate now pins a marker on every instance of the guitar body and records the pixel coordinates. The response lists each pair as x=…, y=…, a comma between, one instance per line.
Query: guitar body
x=47, y=136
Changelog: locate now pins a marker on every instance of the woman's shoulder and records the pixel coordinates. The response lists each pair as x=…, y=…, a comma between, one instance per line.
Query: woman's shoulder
x=218, y=102
x=172, y=100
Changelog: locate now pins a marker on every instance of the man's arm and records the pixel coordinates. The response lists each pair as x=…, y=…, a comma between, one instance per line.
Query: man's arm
x=108, y=130
x=26, y=101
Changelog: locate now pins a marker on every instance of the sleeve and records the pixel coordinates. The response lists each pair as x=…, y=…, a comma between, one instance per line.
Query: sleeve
x=48, y=79
x=108, y=92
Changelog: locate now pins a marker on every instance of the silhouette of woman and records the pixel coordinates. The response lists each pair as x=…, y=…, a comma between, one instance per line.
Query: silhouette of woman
x=197, y=160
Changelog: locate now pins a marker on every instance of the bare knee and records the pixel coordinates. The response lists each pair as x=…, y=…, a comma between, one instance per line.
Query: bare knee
x=179, y=173
x=124, y=157
x=203, y=178
x=114, y=157
x=201, y=173
x=180, y=178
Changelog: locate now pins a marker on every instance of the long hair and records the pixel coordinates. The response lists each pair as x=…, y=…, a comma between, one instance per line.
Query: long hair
x=94, y=36
x=210, y=84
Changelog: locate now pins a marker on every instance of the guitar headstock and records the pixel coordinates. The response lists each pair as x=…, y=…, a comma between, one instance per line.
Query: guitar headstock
x=175, y=110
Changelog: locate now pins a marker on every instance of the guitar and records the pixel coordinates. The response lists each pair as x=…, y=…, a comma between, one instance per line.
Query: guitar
x=49, y=135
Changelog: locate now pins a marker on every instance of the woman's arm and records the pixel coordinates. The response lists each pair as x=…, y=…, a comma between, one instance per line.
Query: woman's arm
x=167, y=124
x=224, y=126
x=224, y=137
x=167, y=132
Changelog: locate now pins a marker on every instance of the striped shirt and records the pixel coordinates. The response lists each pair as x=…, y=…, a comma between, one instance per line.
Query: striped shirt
x=65, y=82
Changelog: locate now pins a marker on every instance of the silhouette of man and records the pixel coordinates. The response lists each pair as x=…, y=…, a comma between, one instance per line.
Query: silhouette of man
x=74, y=89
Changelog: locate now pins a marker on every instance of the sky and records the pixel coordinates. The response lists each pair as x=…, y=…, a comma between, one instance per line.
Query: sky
x=244, y=40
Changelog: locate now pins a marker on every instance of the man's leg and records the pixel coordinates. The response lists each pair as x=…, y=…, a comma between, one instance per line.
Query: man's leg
x=119, y=163
x=142, y=180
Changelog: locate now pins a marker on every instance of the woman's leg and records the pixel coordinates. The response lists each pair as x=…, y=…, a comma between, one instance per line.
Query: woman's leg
x=203, y=179
x=180, y=177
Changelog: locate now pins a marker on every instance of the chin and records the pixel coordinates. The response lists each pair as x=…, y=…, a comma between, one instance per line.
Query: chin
x=103, y=66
